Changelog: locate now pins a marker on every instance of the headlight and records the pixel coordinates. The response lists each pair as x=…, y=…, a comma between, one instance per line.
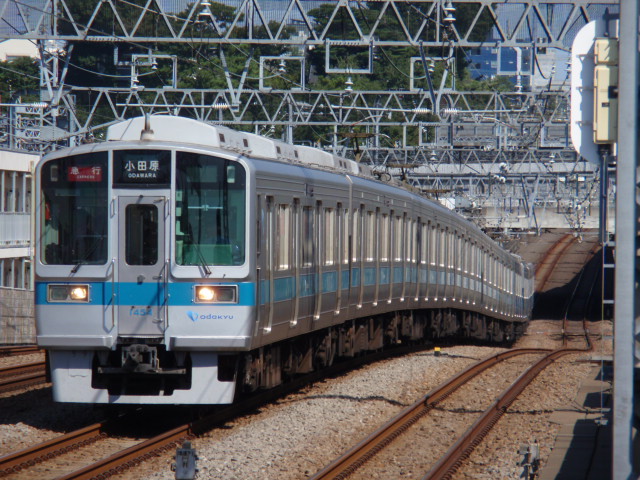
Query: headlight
x=79, y=294
x=68, y=293
x=205, y=294
x=216, y=294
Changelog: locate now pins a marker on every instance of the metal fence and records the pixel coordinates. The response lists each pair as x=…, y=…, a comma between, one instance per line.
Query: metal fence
x=17, y=319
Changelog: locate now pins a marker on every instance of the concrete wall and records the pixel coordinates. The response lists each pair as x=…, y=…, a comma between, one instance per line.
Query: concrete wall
x=17, y=324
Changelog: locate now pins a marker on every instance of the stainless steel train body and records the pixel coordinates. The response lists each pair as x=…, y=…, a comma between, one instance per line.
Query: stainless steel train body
x=178, y=259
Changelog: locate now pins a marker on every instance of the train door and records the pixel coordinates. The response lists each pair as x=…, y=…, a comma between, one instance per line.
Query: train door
x=296, y=258
x=268, y=280
x=318, y=259
x=339, y=252
x=141, y=299
x=357, y=267
x=419, y=260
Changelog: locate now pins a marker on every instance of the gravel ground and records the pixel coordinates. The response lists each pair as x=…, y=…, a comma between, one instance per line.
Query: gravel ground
x=298, y=435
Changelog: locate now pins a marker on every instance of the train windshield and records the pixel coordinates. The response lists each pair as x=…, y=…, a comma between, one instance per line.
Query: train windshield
x=74, y=210
x=210, y=210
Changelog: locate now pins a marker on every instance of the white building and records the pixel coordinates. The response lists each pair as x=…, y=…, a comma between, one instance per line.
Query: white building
x=14, y=48
x=16, y=280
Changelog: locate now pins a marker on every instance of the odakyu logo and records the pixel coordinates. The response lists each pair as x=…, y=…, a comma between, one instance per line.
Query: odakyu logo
x=195, y=316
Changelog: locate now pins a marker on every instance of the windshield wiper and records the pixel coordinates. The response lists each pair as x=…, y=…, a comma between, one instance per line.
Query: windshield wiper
x=89, y=252
x=203, y=262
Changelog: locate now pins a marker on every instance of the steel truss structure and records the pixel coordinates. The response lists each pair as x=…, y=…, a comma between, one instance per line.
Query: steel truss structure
x=485, y=147
x=427, y=22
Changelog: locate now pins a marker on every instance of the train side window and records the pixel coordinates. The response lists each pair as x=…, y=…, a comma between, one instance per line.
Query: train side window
x=492, y=271
x=398, y=239
x=424, y=244
x=141, y=233
x=269, y=226
x=370, y=237
x=486, y=267
x=308, y=233
x=345, y=237
x=283, y=237
x=433, y=246
x=467, y=254
x=385, y=235
x=452, y=250
x=413, y=240
x=472, y=261
x=339, y=240
x=259, y=225
x=408, y=239
x=356, y=241
x=297, y=228
x=329, y=236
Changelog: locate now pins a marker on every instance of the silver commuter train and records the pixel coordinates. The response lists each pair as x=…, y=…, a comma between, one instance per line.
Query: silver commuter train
x=179, y=262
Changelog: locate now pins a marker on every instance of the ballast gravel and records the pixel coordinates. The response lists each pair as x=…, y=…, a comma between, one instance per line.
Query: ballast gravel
x=298, y=435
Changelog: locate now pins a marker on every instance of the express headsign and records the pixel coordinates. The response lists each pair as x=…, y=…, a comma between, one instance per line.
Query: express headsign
x=84, y=174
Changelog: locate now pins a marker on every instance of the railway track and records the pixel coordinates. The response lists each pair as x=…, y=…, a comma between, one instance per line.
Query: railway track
x=20, y=376
x=15, y=462
x=88, y=442
x=346, y=465
x=14, y=350
x=356, y=457
x=125, y=458
x=452, y=460
x=552, y=257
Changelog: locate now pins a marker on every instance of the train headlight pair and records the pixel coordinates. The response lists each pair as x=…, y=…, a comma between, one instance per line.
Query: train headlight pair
x=68, y=293
x=216, y=294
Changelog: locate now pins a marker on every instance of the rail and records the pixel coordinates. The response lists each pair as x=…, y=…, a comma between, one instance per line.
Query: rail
x=136, y=454
x=17, y=461
x=357, y=456
x=13, y=350
x=451, y=461
x=547, y=265
x=21, y=376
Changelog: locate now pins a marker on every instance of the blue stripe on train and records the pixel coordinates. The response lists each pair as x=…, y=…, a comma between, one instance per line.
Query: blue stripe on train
x=181, y=293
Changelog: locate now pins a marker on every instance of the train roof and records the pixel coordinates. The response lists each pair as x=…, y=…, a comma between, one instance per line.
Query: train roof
x=168, y=128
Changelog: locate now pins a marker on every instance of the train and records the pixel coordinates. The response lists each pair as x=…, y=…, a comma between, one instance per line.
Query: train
x=184, y=263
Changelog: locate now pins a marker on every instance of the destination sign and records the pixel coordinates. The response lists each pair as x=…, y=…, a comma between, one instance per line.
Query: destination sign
x=142, y=167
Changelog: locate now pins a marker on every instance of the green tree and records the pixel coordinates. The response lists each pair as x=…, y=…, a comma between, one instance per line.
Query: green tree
x=19, y=80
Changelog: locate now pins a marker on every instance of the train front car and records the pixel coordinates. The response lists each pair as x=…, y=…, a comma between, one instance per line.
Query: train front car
x=142, y=267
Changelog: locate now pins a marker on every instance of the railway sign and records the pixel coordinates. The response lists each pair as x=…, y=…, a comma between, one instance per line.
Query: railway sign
x=582, y=93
